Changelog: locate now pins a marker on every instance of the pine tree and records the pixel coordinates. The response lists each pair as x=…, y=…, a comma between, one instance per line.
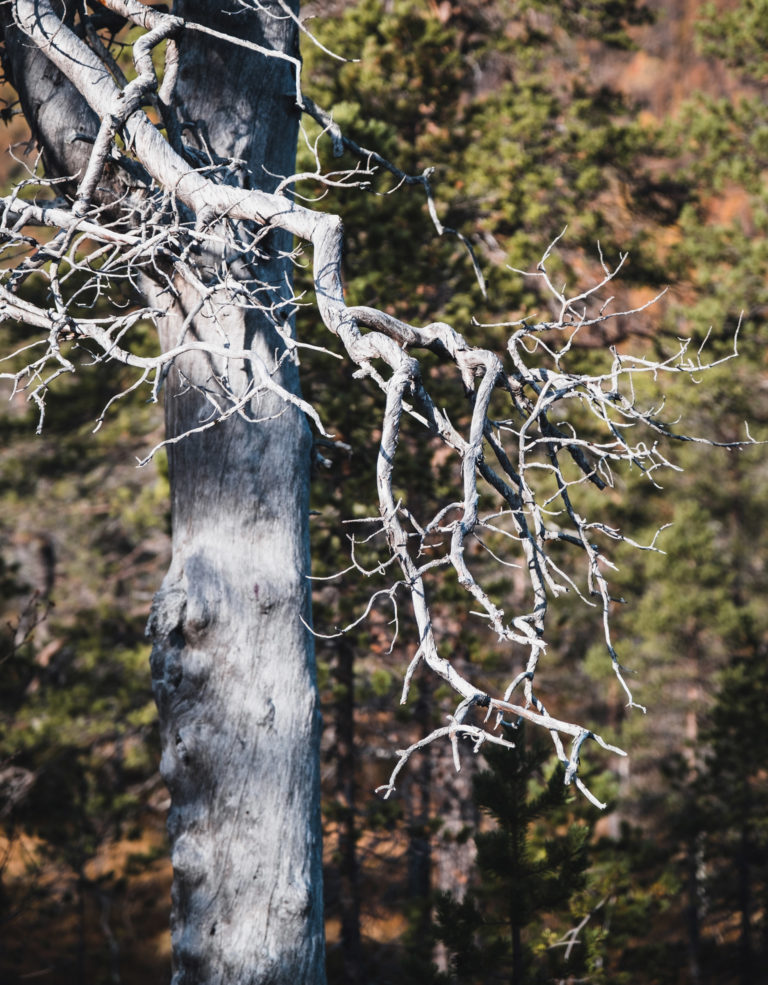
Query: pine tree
x=530, y=879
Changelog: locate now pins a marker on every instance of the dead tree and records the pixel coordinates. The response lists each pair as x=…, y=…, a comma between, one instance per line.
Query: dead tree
x=179, y=192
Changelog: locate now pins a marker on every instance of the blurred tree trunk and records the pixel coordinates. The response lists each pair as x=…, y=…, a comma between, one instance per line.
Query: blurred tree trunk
x=693, y=864
x=743, y=864
x=346, y=791
x=418, y=808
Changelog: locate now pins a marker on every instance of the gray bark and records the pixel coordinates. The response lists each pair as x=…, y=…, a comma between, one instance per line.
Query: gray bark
x=232, y=659
x=232, y=662
x=239, y=490
x=233, y=675
x=62, y=123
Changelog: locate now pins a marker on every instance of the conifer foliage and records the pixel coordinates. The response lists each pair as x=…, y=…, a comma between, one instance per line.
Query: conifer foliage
x=532, y=864
x=511, y=102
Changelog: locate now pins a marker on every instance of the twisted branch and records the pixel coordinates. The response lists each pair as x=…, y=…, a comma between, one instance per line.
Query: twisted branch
x=520, y=473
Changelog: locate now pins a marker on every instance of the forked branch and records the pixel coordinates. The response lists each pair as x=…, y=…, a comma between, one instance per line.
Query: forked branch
x=532, y=433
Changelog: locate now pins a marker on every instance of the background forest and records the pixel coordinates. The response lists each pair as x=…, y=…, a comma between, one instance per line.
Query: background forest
x=641, y=126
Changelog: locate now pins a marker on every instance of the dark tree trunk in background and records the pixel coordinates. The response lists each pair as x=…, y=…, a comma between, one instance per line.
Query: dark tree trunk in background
x=743, y=863
x=232, y=661
x=346, y=791
x=693, y=863
x=418, y=804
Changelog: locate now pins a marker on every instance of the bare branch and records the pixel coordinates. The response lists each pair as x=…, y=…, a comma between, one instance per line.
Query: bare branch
x=520, y=445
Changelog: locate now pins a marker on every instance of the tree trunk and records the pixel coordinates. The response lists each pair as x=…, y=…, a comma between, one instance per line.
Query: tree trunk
x=453, y=851
x=418, y=813
x=743, y=864
x=693, y=864
x=232, y=660
x=346, y=792
x=233, y=675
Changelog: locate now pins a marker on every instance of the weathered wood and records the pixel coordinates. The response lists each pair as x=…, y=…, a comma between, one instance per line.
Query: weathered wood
x=232, y=661
x=232, y=669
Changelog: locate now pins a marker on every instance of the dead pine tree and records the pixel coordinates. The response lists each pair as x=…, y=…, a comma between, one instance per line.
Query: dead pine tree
x=177, y=189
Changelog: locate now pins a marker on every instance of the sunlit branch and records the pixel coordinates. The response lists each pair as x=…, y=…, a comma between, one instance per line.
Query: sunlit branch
x=532, y=434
